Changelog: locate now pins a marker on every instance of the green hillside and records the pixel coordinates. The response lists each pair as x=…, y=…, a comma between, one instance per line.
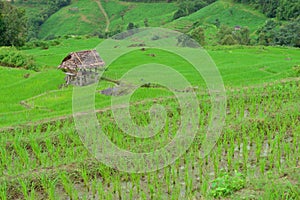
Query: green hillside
x=85, y=17
x=228, y=13
x=231, y=130
x=80, y=18
x=156, y=13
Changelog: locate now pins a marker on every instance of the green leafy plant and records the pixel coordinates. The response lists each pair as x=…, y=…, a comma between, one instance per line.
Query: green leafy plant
x=297, y=69
x=227, y=184
x=11, y=57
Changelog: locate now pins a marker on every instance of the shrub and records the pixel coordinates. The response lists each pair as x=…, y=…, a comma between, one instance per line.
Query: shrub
x=51, y=37
x=54, y=42
x=44, y=45
x=34, y=43
x=226, y=184
x=11, y=57
x=297, y=69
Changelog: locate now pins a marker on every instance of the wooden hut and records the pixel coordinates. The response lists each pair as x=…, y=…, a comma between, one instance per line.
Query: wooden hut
x=81, y=68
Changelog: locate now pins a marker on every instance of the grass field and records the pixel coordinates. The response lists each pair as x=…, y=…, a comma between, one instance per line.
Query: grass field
x=87, y=18
x=239, y=66
x=157, y=13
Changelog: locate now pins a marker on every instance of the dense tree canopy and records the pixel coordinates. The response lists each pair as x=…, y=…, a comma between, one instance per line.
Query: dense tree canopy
x=37, y=19
x=13, y=25
x=231, y=36
x=274, y=33
x=149, y=1
x=187, y=7
x=282, y=9
x=198, y=35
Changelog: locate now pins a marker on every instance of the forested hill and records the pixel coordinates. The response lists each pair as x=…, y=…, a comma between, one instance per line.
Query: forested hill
x=281, y=9
x=38, y=11
x=272, y=22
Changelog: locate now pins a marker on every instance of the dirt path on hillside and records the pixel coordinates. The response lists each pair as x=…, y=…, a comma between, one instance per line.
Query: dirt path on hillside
x=104, y=13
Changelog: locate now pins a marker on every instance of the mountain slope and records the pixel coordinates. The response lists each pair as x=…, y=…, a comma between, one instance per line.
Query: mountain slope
x=227, y=12
x=157, y=14
x=80, y=18
x=86, y=17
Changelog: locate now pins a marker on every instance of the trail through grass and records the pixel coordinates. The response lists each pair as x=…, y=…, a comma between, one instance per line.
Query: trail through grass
x=105, y=15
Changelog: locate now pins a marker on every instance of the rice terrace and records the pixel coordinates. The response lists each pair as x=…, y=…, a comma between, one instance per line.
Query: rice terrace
x=150, y=99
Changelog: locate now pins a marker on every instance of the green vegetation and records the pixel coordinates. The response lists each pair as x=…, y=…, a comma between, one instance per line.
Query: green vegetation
x=157, y=14
x=38, y=11
x=189, y=7
x=226, y=184
x=107, y=18
x=276, y=8
x=239, y=66
x=273, y=33
x=220, y=13
x=83, y=17
x=230, y=36
x=49, y=160
x=79, y=18
x=12, y=25
x=11, y=57
x=53, y=55
x=257, y=154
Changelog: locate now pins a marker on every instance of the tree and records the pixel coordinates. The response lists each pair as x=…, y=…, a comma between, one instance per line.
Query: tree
x=187, y=7
x=130, y=26
x=229, y=36
x=217, y=23
x=13, y=25
x=267, y=33
x=274, y=33
x=281, y=9
x=2, y=31
x=228, y=40
x=223, y=33
x=198, y=35
x=146, y=22
x=289, y=34
x=242, y=36
x=35, y=20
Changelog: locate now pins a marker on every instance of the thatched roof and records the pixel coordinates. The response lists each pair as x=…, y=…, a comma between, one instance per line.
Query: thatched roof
x=75, y=61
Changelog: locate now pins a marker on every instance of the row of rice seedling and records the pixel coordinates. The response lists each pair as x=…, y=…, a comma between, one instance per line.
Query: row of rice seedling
x=260, y=137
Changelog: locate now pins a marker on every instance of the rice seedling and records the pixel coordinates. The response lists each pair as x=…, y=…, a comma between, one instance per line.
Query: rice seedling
x=68, y=185
x=48, y=184
x=260, y=137
x=3, y=191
